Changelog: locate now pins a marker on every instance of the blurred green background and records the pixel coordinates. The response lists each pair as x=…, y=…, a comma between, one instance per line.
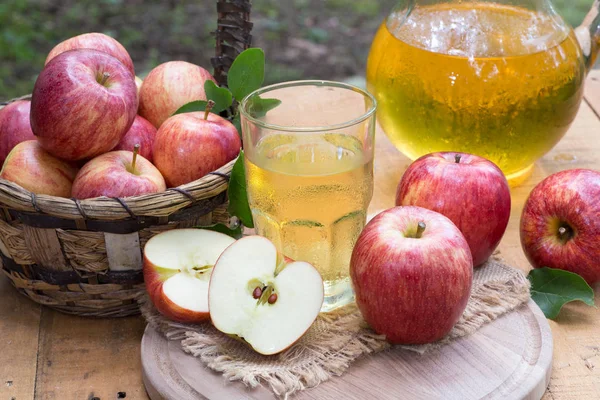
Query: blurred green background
x=327, y=39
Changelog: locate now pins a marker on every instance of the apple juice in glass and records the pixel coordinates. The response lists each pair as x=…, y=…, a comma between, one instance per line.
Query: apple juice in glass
x=309, y=173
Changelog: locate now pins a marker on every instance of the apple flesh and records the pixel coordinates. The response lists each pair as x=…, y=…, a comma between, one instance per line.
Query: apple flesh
x=94, y=41
x=261, y=297
x=177, y=269
x=114, y=174
x=412, y=283
x=560, y=223
x=141, y=132
x=168, y=87
x=34, y=169
x=470, y=190
x=14, y=126
x=188, y=146
x=83, y=103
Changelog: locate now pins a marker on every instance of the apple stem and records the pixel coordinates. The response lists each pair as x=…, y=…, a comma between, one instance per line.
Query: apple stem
x=136, y=150
x=457, y=158
x=209, y=105
x=565, y=233
x=420, y=229
x=104, y=78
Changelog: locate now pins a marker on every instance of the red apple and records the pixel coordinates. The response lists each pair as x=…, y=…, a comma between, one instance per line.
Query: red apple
x=138, y=84
x=560, y=223
x=31, y=167
x=83, y=103
x=468, y=189
x=168, y=87
x=141, y=132
x=117, y=174
x=14, y=126
x=94, y=41
x=412, y=282
x=190, y=145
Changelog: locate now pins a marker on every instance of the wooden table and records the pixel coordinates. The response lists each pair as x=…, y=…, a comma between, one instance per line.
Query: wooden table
x=48, y=355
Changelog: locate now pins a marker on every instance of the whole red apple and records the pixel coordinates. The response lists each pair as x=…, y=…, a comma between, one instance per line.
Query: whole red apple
x=14, y=126
x=83, y=103
x=412, y=271
x=560, y=223
x=94, y=41
x=189, y=146
x=141, y=132
x=34, y=169
x=117, y=174
x=168, y=87
x=470, y=190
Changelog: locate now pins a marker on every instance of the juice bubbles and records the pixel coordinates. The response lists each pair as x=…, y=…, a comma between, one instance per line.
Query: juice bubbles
x=499, y=81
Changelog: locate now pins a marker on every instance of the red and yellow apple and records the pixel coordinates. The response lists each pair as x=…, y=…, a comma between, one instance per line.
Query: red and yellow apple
x=560, y=223
x=190, y=145
x=141, y=132
x=117, y=174
x=94, y=41
x=34, y=169
x=470, y=190
x=168, y=87
x=83, y=103
x=411, y=270
x=14, y=126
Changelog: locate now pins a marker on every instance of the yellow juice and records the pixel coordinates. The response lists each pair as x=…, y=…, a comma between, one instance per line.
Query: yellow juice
x=499, y=81
x=309, y=194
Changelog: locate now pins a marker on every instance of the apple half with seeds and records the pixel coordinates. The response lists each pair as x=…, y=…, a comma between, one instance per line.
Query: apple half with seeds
x=265, y=299
x=177, y=269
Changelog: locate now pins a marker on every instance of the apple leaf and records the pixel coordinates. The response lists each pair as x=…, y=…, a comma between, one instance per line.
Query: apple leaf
x=237, y=123
x=258, y=107
x=221, y=96
x=553, y=288
x=247, y=73
x=198, y=105
x=238, y=198
x=235, y=233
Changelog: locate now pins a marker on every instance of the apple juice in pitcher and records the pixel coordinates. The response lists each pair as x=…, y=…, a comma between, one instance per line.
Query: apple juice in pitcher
x=500, y=81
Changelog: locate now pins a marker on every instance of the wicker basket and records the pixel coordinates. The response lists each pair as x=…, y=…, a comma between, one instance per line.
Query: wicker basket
x=85, y=257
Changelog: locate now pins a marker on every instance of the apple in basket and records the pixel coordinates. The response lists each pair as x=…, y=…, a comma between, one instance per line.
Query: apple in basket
x=168, y=87
x=190, y=145
x=141, y=132
x=94, y=41
x=470, y=190
x=412, y=271
x=14, y=126
x=267, y=300
x=118, y=173
x=560, y=223
x=177, y=268
x=34, y=169
x=82, y=104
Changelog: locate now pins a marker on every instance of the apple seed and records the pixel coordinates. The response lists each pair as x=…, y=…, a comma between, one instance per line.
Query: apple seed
x=272, y=298
x=257, y=292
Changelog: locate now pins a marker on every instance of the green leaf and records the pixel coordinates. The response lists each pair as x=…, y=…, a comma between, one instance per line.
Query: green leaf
x=198, y=105
x=235, y=233
x=553, y=288
x=258, y=107
x=238, y=198
x=238, y=124
x=247, y=73
x=221, y=96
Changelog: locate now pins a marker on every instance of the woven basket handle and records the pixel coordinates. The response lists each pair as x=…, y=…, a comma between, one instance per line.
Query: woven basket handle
x=232, y=35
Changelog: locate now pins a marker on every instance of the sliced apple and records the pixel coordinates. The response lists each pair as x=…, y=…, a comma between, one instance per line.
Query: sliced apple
x=177, y=269
x=268, y=300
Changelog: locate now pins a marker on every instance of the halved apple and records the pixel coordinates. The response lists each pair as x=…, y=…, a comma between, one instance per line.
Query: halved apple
x=177, y=269
x=267, y=300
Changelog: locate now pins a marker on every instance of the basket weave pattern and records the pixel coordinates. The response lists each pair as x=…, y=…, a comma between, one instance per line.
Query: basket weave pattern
x=85, y=256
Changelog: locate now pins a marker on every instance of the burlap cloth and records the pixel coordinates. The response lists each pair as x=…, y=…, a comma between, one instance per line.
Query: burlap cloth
x=336, y=339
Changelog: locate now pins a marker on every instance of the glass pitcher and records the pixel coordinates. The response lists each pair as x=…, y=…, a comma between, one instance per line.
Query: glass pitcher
x=501, y=79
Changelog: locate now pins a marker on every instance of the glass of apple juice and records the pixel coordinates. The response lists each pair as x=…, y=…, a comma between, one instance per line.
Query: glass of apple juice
x=309, y=171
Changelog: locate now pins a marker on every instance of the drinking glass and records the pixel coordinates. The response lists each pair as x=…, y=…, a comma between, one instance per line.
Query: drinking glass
x=309, y=171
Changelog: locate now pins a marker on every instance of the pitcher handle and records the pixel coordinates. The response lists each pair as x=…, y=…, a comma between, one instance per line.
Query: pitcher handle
x=588, y=35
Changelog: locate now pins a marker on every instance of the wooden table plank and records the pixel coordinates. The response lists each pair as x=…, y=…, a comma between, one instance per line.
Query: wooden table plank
x=19, y=328
x=83, y=358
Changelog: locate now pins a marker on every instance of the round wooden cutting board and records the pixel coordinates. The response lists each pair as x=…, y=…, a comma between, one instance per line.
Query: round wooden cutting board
x=510, y=358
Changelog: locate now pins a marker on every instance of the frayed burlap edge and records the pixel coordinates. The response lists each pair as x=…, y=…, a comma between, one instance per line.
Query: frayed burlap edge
x=336, y=339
